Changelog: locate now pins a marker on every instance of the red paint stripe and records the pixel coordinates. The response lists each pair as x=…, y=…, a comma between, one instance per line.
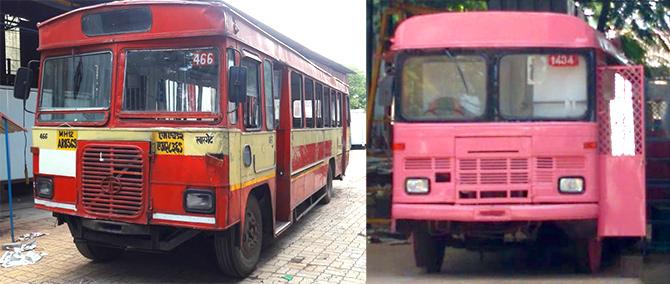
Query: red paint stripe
x=307, y=154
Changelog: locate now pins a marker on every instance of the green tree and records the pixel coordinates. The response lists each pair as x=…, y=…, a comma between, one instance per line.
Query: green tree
x=357, y=90
x=642, y=26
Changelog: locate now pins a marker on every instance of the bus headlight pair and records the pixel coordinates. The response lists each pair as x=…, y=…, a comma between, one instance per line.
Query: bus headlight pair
x=571, y=184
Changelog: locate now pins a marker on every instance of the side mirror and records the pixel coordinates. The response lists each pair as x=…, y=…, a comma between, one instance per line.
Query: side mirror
x=237, y=84
x=22, y=83
x=385, y=91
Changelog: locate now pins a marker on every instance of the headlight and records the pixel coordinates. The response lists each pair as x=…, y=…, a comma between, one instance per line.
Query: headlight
x=417, y=185
x=199, y=201
x=44, y=187
x=571, y=185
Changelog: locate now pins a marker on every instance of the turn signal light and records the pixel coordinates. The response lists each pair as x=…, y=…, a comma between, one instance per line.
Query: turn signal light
x=398, y=146
x=590, y=145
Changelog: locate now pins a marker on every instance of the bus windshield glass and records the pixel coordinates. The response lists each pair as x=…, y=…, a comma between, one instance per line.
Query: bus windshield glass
x=443, y=87
x=76, y=83
x=543, y=86
x=183, y=80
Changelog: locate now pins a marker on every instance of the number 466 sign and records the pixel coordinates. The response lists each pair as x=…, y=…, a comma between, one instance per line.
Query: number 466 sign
x=203, y=58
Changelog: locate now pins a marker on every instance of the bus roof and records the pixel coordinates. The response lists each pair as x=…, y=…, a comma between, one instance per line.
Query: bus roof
x=196, y=18
x=495, y=30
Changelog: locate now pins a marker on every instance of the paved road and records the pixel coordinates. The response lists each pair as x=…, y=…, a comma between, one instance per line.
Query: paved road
x=394, y=263
x=327, y=245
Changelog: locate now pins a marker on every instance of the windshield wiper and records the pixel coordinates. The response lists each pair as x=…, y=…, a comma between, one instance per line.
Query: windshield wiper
x=77, y=79
x=460, y=72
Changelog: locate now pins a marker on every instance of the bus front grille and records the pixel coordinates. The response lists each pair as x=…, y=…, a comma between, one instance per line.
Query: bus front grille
x=113, y=180
x=494, y=179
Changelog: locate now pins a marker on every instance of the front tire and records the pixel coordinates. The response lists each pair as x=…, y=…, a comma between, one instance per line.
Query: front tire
x=588, y=255
x=328, y=194
x=239, y=259
x=96, y=252
x=428, y=249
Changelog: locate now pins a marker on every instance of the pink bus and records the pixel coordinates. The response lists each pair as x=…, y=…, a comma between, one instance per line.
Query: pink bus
x=514, y=128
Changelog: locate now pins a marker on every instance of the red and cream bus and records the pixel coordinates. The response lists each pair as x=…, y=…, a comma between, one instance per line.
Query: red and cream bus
x=514, y=128
x=159, y=121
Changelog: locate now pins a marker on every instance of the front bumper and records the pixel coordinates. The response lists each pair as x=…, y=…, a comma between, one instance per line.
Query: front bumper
x=494, y=213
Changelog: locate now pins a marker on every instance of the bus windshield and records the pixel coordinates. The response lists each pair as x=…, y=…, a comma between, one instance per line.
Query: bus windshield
x=76, y=83
x=442, y=87
x=543, y=86
x=174, y=80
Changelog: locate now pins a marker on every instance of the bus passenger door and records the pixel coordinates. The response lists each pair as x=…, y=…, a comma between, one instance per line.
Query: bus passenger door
x=282, y=103
x=620, y=114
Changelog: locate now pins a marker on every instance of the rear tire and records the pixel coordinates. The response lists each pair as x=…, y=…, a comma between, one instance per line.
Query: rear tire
x=328, y=194
x=96, y=252
x=588, y=254
x=233, y=259
x=428, y=250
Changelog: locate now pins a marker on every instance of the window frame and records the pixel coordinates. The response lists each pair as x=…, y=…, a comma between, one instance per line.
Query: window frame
x=333, y=106
x=144, y=8
x=348, y=111
x=302, y=106
x=318, y=97
x=492, y=57
x=398, y=84
x=338, y=108
x=590, y=82
x=105, y=110
x=231, y=115
x=258, y=98
x=325, y=106
x=211, y=116
x=268, y=98
x=309, y=122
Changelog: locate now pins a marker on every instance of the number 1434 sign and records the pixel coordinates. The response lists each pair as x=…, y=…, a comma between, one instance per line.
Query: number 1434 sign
x=563, y=60
x=203, y=58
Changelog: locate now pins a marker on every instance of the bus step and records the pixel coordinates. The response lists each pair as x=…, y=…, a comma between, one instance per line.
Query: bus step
x=281, y=226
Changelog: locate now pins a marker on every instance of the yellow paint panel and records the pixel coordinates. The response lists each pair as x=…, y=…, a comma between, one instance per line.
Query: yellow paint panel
x=262, y=146
x=200, y=143
x=196, y=141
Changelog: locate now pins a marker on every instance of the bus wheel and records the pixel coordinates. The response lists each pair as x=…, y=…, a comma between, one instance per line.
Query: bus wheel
x=328, y=195
x=428, y=250
x=97, y=252
x=239, y=260
x=588, y=255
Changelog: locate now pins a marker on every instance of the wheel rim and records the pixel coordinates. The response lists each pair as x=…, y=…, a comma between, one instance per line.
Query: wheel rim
x=251, y=236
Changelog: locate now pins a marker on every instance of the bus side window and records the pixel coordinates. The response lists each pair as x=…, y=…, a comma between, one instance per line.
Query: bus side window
x=232, y=107
x=339, y=109
x=333, y=109
x=317, y=104
x=276, y=91
x=252, y=107
x=268, y=95
x=296, y=99
x=309, y=109
x=326, y=107
x=348, y=106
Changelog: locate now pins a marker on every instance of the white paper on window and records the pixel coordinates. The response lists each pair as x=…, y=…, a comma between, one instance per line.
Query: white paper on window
x=308, y=109
x=297, y=109
x=622, y=124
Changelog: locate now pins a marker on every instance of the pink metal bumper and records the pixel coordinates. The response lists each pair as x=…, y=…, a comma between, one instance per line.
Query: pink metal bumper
x=488, y=213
